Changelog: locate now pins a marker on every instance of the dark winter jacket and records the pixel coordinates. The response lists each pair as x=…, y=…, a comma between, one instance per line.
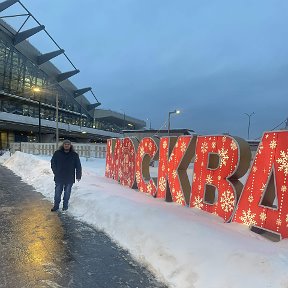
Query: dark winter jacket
x=64, y=165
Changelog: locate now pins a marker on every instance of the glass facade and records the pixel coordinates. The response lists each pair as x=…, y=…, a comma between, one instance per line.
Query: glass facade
x=18, y=76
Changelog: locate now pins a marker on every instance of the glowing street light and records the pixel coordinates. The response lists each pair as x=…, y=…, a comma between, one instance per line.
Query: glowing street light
x=37, y=90
x=169, y=115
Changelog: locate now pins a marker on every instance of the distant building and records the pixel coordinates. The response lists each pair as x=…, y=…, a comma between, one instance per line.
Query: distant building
x=140, y=134
x=30, y=86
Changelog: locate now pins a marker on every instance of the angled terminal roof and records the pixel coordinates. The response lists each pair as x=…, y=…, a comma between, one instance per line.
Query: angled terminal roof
x=20, y=40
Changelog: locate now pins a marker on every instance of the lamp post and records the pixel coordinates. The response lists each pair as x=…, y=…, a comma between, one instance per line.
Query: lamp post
x=124, y=116
x=169, y=115
x=249, y=116
x=124, y=119
x=36, y=90
x=57, y=120
x=149, y=123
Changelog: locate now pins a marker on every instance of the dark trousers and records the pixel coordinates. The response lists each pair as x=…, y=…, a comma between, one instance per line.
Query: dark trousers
x=58, y=192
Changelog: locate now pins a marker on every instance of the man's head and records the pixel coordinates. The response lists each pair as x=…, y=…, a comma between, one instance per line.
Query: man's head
x=67, y=145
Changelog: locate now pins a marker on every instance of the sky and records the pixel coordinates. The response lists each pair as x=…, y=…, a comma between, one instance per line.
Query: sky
x=212, y=60
x=184, y=247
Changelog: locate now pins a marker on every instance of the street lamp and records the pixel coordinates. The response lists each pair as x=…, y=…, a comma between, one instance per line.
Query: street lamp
x=169, y=115
x=36, y=90
x=57, y=121
x=124, y=119
x=149, y=123
x=249, y=116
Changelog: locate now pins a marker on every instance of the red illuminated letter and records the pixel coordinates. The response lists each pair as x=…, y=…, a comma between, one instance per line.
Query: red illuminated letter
x=127, y=162
x=264, y=200
x=113, y=155
x=220, y=161
x=174, y=158
x=147, y=150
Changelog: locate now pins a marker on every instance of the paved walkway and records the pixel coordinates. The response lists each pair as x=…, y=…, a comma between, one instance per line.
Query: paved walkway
x=39, y=248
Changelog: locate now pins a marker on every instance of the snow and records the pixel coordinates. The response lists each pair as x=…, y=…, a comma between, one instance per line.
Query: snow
x=184, y=247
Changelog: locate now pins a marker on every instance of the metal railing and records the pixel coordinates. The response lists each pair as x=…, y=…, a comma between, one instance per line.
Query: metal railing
x=83, y=149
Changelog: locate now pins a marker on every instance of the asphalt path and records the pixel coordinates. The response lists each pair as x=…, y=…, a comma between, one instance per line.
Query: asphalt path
x=39, y=248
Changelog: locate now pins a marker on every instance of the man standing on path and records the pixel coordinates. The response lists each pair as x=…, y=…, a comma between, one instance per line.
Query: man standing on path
x=64, y=163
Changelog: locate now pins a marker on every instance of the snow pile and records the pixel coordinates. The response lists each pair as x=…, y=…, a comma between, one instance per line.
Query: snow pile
x=4, y=156
x=184, y=247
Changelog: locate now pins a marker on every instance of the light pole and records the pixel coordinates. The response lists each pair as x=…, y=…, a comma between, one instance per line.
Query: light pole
x=124, y=119
x=249, y=116
x=36, y=90
x=57, y=120
x=169, y=115
x=150, y=127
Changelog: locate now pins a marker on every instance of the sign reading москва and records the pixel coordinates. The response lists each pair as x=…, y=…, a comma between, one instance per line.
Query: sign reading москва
x=219, y=162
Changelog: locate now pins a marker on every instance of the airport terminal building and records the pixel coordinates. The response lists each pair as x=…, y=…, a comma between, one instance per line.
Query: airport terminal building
x=37, y=99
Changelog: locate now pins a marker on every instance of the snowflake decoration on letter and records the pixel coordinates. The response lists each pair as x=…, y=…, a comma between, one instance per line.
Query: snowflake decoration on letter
x=142, y=152
x=223, y=157
x=283, y=161
x=150, y=146
x=273, y=144
x=233, y=145
x=250, y=198
x=209, y=179
x=179, y=198
x=227, y=201
x=278, y=222
x=261, y=147
x=162, y=184
x=164, y=144
x=149, y=188
x=198, y=203
x=263, y=187
x=263, y=216
x=248, y=218
x=138, y=177
x=174, y=174
x=204, y=147
x=129, y=182
x=183, y=147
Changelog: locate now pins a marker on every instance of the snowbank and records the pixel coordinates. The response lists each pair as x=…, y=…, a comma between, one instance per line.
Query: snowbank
x=184, y=247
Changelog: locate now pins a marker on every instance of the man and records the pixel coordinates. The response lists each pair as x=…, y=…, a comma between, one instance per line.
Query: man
x=64, y=163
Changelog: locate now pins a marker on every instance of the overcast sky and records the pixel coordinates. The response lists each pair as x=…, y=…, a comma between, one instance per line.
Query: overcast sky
x=213, y=60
